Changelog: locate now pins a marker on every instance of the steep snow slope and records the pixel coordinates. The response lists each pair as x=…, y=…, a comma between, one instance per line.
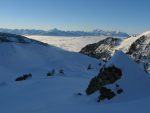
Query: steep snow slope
x=38, y=59
x=126, y=43
x=132, y=80
x=68, y=43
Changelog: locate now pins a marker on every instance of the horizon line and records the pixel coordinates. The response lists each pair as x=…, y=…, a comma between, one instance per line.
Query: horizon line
x=64, y=29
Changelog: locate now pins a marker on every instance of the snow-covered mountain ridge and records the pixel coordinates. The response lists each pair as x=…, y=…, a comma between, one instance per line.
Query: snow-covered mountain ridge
x=138, y=47
x=101, y=50
x=6, y=37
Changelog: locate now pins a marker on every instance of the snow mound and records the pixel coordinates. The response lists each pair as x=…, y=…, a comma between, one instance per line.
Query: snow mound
x=134, y=81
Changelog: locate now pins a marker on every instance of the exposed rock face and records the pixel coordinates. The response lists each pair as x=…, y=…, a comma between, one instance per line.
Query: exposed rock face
x=102, y=50
x=140, y=47
x=140, y=51
x=107, y=75
x=24, y=77
x=106, y=93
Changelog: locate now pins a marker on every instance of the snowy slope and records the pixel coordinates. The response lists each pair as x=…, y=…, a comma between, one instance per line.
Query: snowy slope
x=133, y=81
x=38, y=59
x=58, y=94
x=126, y=43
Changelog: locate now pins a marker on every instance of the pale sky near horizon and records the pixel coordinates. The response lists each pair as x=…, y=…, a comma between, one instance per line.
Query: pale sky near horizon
x=130, y=16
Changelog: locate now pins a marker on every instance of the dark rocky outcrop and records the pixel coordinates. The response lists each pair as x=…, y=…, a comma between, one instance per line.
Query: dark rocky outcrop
x=107, y=75
x=105, y=93
x=102, y=50
x=24, y=77
x=51, y=73
x=140, y=51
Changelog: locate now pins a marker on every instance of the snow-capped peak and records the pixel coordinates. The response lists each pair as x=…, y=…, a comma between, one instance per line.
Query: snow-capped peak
x=120, y=59
x=126, y=43
x=147, y=33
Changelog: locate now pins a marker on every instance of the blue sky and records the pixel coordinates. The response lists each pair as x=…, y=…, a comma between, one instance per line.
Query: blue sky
x=131, y=16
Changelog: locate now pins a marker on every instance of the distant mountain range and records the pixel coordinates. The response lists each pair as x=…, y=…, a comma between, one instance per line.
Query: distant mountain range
x=57, y=32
